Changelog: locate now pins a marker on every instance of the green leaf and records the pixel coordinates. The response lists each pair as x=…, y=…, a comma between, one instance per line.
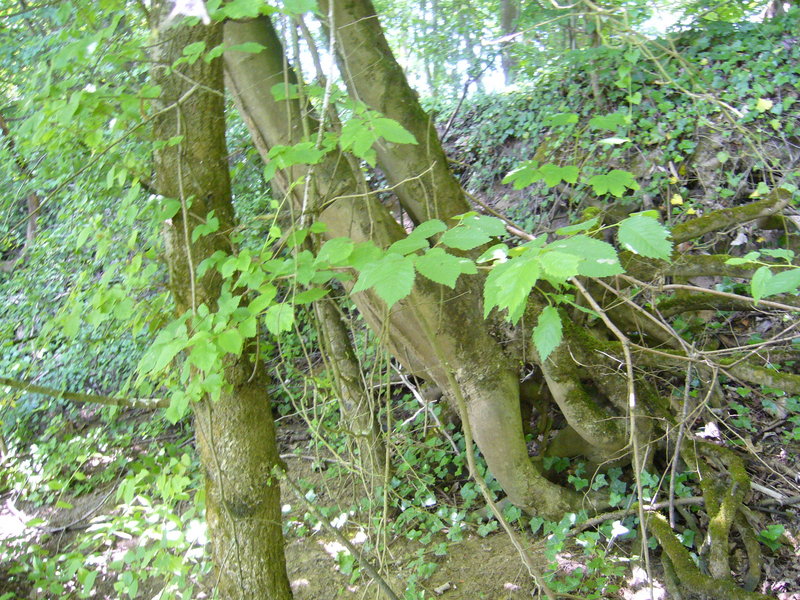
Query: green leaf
x=392, y=131
x=279, y=318
x=310, y=295
x=598, y=259
x=577, y=227
x=759, y=282
x=562, y=119
x=441, y=267
x=428, y=228
x=392, y=278
x=248, y=47
x=178, y=407
x=472, y=232
x=531, y=172
x=645, y=236
x=559, y=266
x=553, y=175
x=609, y=122
x=615, y=182
x=231, y=341
x=547, y=334
x=508, y=286
x=335, y=251
x=784, y=282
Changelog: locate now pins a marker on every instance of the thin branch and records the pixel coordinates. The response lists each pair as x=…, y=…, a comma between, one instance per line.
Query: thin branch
x=31, y=388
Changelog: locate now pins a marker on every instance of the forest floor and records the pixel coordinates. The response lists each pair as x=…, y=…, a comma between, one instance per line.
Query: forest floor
x=477, y=567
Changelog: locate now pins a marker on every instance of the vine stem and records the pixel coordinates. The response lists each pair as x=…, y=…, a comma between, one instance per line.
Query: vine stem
x=634, y=441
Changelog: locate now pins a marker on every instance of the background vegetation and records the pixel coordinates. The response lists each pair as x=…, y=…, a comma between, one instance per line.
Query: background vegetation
x=560, y=123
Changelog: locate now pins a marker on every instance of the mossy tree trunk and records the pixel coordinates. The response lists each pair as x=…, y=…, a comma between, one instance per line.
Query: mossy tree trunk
x=235, y=434
x=437, y=333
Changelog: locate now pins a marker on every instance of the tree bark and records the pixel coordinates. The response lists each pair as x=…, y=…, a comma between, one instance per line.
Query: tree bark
x=435, y=332
x=235, y=434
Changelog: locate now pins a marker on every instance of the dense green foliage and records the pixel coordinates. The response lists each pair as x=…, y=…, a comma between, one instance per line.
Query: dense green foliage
x=602, y=147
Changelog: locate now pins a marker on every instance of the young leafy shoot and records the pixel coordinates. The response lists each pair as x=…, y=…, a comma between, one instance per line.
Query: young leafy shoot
x=366, y=127
x=644, y=235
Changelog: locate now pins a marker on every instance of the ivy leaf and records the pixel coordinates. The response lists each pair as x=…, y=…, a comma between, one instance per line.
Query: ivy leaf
x=598, y=259
x=279, y=318
x=524, y=175
x=547, y=334
x=562, y=119
x=645, y=236
x=441, y=267
x=609, y=122
x=530, y=172
x=553, y=175
x=508, y=286
x=615, y=182
x=231, y=341
x=472, y=232
x=392, y=278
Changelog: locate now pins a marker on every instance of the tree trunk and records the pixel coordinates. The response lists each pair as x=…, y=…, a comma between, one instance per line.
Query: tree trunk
x=437, y=333
x=235, y=434
x=509, y=25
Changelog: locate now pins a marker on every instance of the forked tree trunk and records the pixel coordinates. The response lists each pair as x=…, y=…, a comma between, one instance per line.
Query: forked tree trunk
x=435, y=332
x=235, y=434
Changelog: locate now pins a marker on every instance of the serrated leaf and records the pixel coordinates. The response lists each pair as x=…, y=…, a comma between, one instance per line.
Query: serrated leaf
x=508, y=286
x=408, y=245
x=645, y=236
x=598, y=259
x=335, y=251
x=548, y=333
x=614, y=182
x=231, y=341
x=495, y=252
x=279, y=318
x=392, y=278
x=441, y=267
x=559, y=266
x=473, y=232
x=428, y=228
x=577, y=227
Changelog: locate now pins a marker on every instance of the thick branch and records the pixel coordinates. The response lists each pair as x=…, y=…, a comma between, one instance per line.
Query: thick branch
x=31, y=388
x=729, y=217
